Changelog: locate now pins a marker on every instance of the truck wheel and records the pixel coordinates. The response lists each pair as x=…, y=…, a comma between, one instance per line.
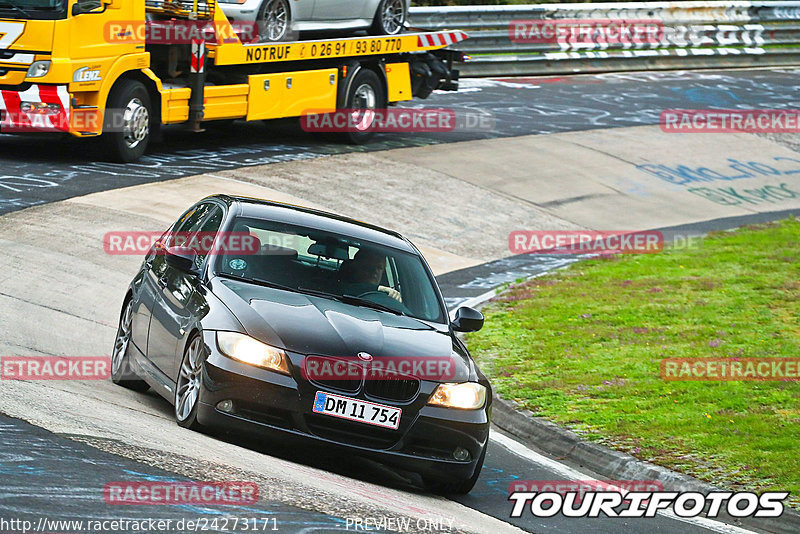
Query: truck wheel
x=127, y=121
x=365, y=99
x=390, y=18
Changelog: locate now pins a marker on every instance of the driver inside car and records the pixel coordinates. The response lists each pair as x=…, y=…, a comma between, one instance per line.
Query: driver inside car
x=364, y=273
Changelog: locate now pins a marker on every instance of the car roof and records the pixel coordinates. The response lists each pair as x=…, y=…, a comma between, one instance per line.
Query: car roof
x=317, y=219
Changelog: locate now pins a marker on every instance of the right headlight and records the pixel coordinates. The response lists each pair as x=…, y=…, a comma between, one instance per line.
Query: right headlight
x=464, y=396
x=248, y=350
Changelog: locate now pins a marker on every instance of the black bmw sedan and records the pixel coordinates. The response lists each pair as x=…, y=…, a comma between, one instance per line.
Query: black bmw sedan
x=299, y=324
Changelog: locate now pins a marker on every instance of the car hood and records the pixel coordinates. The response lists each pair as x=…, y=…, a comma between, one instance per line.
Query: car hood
x=311, y=325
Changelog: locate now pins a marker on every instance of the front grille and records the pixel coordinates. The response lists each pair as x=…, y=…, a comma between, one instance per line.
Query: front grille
x=350, y=383
x=351, y=433
x=398, y=390
x=345, y=386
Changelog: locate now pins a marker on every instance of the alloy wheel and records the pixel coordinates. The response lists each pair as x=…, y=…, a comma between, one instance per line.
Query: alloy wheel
x=188, y=387
x=123, y=338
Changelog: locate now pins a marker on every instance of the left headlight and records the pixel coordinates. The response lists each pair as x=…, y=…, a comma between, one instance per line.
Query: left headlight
x=248, y=350
x=465, y=396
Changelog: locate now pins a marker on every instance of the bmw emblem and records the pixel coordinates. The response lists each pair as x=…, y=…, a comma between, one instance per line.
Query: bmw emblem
x=366, y=356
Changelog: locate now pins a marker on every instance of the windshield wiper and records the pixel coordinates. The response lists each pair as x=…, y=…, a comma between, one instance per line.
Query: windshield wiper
x=358, y=301
x=258, y=281
x=7, y=4
x=347, y=299
x=318, y=293
x=350, y=299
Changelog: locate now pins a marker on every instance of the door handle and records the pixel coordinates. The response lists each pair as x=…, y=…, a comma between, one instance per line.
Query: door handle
x=162, y=282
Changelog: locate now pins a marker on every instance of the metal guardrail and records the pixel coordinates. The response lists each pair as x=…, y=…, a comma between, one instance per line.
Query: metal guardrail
x=691, y=35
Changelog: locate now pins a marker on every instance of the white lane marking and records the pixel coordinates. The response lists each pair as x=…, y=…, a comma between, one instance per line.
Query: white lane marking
x=569, y=473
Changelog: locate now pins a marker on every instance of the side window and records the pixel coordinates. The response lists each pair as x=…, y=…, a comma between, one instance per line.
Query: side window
x=193, y=220
x=183, y=227
x=209, y=226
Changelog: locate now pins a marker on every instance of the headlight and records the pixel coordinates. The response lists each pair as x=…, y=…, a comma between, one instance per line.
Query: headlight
x=248, y=350
x=38, y=69
x=465, y=396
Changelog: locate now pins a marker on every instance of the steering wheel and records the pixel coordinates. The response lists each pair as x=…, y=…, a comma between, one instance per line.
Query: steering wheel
x=362, y=295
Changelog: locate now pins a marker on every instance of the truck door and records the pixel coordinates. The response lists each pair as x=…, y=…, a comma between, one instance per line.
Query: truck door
x=101, y=33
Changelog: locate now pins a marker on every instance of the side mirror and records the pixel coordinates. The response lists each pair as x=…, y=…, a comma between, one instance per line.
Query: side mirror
x=467, y=320
x=86, y=6
x=182, y=259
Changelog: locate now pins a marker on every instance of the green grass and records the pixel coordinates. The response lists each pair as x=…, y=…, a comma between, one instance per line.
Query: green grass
x=582, y=347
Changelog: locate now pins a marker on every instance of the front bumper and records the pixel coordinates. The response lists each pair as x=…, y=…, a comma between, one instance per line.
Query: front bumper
x=14, y=120
x=281, y=406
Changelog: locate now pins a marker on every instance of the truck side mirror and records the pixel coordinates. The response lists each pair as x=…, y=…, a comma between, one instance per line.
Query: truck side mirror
x=85, y=6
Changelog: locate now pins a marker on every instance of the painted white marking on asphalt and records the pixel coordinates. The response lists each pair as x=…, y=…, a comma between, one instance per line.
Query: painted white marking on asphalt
x=569, y=473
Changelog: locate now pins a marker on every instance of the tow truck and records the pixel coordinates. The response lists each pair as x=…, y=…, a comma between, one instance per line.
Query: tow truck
x=121, y=70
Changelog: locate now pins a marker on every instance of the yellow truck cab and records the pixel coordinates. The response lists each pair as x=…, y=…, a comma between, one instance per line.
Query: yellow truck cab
x=124, y=68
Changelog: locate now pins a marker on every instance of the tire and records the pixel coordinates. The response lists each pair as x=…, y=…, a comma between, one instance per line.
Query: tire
x=121, y=373
x=128, y=122
x=364, y=93
x=274, y=22
x=190, y=378
x=390, y=19
x=457, y=487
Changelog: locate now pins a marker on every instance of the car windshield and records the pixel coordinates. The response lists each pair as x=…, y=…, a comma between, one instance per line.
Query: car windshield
x=33, y=9
x=332, y=266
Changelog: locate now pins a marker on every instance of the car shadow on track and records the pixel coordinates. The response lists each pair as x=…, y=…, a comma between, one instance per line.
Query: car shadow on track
x=344, y=464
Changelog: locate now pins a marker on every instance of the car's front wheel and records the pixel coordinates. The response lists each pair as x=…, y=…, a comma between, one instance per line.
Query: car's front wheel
x=390, y=18
x=121, y=373
x=187, y=390
x=457, y=486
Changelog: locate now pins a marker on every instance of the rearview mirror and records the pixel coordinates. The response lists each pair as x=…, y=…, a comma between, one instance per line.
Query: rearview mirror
x=467, y=320
x=86, y=6
x=183, y=259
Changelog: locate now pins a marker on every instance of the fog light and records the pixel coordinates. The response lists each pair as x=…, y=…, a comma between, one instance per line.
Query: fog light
x=40, y=108
x=461, y=454
x=225, y=406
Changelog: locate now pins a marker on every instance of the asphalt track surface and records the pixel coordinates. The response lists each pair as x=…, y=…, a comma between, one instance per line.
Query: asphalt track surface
x=35, y=170
x=41, y=168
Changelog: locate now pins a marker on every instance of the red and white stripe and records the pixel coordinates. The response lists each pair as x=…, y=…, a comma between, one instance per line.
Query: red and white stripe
x=198, y=55
x=440, y=39
x=14, y=120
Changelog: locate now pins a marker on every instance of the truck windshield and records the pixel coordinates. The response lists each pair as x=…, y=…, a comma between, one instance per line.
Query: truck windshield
x=33, y=9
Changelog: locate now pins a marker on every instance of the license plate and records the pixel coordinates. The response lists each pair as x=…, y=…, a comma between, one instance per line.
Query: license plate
x=357, y=410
